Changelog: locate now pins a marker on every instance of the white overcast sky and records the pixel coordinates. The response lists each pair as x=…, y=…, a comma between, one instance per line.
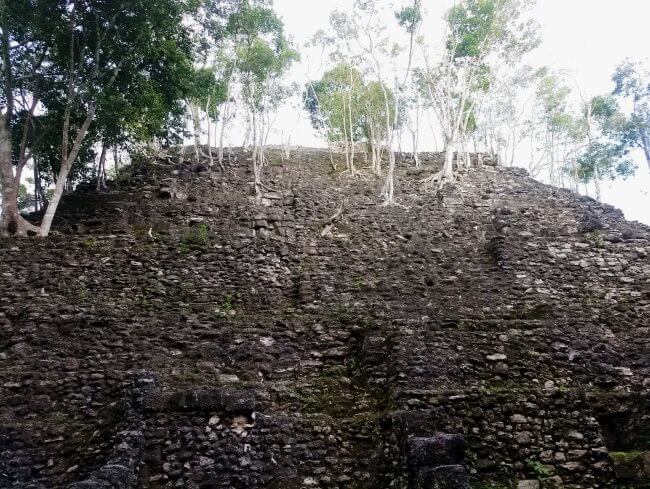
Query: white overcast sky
x=589, y=38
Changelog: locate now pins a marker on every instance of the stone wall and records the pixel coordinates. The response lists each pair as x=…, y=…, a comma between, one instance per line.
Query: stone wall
x=493, y=334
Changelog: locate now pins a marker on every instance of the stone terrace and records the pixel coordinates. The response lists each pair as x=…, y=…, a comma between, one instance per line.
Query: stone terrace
x=175, y=334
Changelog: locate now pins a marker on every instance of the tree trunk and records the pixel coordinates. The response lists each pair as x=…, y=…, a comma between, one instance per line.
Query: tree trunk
x=11, y=222
x=194, y=110
x=59, y=189
x=416, y=155
x=116, y=160
x=448, y=169
x=37, y=185
x=247, y=135
x=256, y=164
x=66, y=165
x=376, y=145
x=389, y=185
x=207, y=114
x=101, y=168
x=224, y=120
x=352, y=142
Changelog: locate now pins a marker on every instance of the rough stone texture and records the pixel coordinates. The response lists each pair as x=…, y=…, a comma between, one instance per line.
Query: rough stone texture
x=178, y=332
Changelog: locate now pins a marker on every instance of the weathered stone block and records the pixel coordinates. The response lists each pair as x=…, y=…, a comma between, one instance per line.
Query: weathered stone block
x=528, y=484
x=239, y=401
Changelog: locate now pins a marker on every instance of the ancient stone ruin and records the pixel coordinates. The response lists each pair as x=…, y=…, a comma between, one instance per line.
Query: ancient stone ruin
x=175, y=333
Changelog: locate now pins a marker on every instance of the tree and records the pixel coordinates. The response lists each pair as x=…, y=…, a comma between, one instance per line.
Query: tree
x=264, y=55
x=71, y=57
x=410, y=18
x=477, y=33
x=335, y=104
x=604, y=155
x=554, y=128
x=380, y=53
x=328, y=102
x=374, y=114
x=206, y=93
x=633, y=83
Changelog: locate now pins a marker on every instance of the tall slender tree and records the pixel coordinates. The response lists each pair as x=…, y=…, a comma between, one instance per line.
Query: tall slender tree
x=633, y=83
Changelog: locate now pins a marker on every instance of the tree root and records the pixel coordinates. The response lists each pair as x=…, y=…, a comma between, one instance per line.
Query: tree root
x=437, y=177
x=431, y=179
x=327, y=230
x=19, y=227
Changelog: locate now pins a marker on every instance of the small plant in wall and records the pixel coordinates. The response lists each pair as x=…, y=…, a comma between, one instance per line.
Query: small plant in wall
x=538, y=469
x=226, y=308
x=195, y=237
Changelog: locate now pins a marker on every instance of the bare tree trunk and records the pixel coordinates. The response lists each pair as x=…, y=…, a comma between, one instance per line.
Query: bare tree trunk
x=196, y=123
x=207, y=117
x=415, y=134
x=59, y=189
x=448, y=168
x=346, y=140
x=389, y=198
x=116, y=159
x=101, y=168
x=287, y=148
x=224, y=120
x=416, y=155
x=346, y=144
x=400, y=151
x=256, y=164
x=11, y=221
x=247, y=135
x=37, y=185
x=352, y=142
x=10, y=216
x=376, y=145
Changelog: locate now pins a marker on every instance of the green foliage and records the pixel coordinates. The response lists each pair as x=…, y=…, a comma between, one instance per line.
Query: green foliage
x=553, y=95
x=195, y=237
x=471, y=24
x=344, y=104
x=227, y=305
x=97, y=70
x=603, y=159
x=410, y=17
x=538, y=469
x=90, y=243
x=626, y=457
x=80, y=294
x=263, y=53
x=594, y=238
x=480, y=27
x=25, y=199
x=633, y=83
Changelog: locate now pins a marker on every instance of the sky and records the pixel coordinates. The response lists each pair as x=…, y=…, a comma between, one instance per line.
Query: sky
x=585, y=38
